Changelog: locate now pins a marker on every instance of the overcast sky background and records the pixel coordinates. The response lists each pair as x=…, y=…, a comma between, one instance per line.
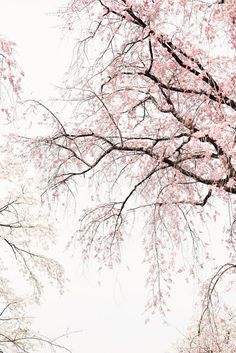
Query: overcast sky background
x=109, y=316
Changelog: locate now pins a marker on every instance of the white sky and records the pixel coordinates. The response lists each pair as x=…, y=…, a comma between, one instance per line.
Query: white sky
x=33, y=27
x=109, y=316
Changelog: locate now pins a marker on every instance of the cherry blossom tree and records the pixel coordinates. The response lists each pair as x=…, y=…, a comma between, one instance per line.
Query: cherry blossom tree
x=16, y=335
x=150, y=120
x=216, y=337
x=10, y=75
x=26, y=231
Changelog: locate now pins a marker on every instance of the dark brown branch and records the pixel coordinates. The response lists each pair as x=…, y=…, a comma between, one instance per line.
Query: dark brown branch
x=173, y=50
